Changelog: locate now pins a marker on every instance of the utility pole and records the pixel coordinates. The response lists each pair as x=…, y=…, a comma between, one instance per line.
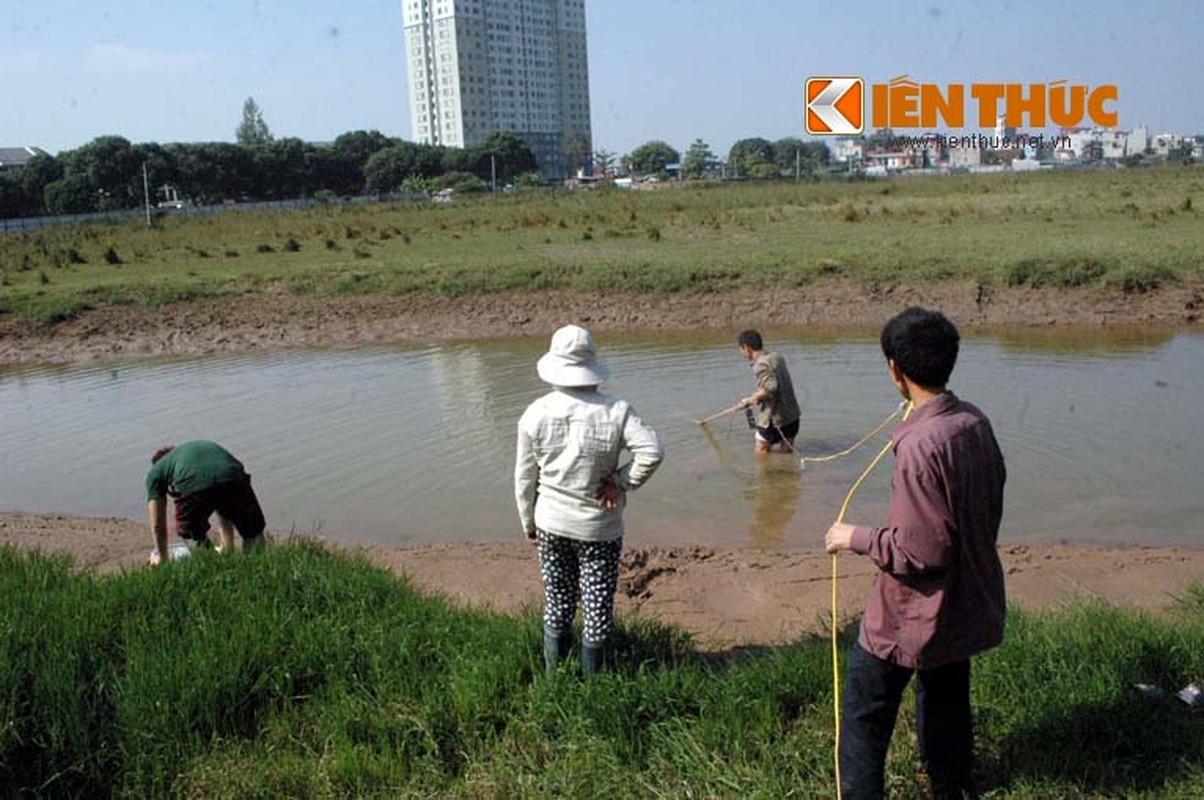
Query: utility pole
x=796, y=160
x=493, y=173
x=146, y=194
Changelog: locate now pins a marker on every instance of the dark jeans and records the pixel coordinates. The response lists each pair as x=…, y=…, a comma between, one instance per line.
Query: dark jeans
x=872, y=692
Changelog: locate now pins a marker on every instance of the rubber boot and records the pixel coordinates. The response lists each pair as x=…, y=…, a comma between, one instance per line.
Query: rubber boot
x=556, y=646
x=591, y=658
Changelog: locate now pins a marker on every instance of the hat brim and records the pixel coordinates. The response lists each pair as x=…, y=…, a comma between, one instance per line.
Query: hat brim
x=558, y=371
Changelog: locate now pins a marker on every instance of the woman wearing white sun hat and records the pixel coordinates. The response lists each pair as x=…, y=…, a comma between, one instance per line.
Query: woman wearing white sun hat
x=571, y=490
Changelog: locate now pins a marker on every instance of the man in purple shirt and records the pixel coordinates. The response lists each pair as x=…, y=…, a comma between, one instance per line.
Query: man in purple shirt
x=938, y=598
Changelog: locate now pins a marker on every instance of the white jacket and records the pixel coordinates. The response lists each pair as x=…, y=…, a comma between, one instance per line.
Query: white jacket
x=569, y=442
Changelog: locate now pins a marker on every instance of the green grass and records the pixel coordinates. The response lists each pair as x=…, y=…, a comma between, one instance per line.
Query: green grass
x=1130, y=229
x=298, y=672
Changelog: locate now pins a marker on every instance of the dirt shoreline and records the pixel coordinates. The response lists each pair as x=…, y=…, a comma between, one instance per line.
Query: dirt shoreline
x=724, y=598
x=279, y=320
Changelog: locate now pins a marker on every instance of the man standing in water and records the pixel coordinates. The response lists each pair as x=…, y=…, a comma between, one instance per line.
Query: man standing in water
x=777, y=413
x=938, y=597
x=203, y=478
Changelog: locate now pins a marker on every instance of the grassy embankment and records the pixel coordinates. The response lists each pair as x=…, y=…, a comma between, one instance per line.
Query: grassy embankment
x=1134, y=229
x=297, y=672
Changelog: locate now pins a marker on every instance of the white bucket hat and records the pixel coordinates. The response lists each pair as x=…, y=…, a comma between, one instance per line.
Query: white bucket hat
x=571, y=360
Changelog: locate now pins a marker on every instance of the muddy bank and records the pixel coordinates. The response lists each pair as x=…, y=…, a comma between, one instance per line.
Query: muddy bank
x=722, y=597
x=282, y=320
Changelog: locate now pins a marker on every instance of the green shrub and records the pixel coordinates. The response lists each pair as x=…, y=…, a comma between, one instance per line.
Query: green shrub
x=1065, y=272
x=1142, y=279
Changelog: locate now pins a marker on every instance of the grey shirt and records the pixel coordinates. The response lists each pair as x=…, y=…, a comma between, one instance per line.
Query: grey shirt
x=769, y=370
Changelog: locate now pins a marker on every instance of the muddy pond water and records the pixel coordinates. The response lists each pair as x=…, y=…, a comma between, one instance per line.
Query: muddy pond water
x=1103, y=433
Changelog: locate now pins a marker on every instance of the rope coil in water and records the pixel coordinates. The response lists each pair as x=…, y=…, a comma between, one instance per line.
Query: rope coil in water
x=906, y=407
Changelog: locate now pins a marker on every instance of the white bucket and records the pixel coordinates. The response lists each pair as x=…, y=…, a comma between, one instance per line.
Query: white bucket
x=177, y=551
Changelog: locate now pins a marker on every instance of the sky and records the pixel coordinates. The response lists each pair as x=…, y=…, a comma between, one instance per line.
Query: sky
x=674, y=70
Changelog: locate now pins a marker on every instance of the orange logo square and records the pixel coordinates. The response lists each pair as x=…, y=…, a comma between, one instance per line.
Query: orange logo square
x=835, y=106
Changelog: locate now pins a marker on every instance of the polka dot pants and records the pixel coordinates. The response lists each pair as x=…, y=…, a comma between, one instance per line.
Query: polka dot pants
x=573, y=569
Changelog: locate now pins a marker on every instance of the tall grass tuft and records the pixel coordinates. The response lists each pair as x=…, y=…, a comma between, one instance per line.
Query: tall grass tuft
x=304, y=673
x=1062, y=272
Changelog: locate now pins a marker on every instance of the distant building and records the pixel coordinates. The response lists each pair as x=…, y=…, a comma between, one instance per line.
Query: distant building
x=847, y=148
x=1164, y=143
x=1094, y=144
x=1113, y=143
x=13, y=158
x=964, y=157
x=1025, y=164
x=1079, y=141
x=1004, y=133
x=1137, y=141
x=1006, y=155
x=520, y=66
x=897, y=160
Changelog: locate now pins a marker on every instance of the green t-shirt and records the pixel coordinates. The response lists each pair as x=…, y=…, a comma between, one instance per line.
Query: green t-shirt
x=190, y=468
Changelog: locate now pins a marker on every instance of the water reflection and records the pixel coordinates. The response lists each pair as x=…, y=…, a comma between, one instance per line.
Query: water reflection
x=1104, y=437
x=1079, y=342
x=774, y=493
x=771, y=488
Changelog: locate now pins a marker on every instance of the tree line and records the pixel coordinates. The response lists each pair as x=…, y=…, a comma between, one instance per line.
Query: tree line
x=748, y=158
x=107, y=173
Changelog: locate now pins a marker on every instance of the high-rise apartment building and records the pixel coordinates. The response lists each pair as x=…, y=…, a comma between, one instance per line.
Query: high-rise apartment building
x=480, y=66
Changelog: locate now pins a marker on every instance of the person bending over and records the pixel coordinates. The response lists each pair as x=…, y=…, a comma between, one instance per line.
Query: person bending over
x=203, y=479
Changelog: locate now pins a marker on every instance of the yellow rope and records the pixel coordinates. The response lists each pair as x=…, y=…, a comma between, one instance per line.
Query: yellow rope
x=835, y=576
x=906, y=407
x=833, y=456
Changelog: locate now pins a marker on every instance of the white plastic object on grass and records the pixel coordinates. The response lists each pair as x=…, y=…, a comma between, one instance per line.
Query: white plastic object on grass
x=177, y=551
x=1191, y=695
